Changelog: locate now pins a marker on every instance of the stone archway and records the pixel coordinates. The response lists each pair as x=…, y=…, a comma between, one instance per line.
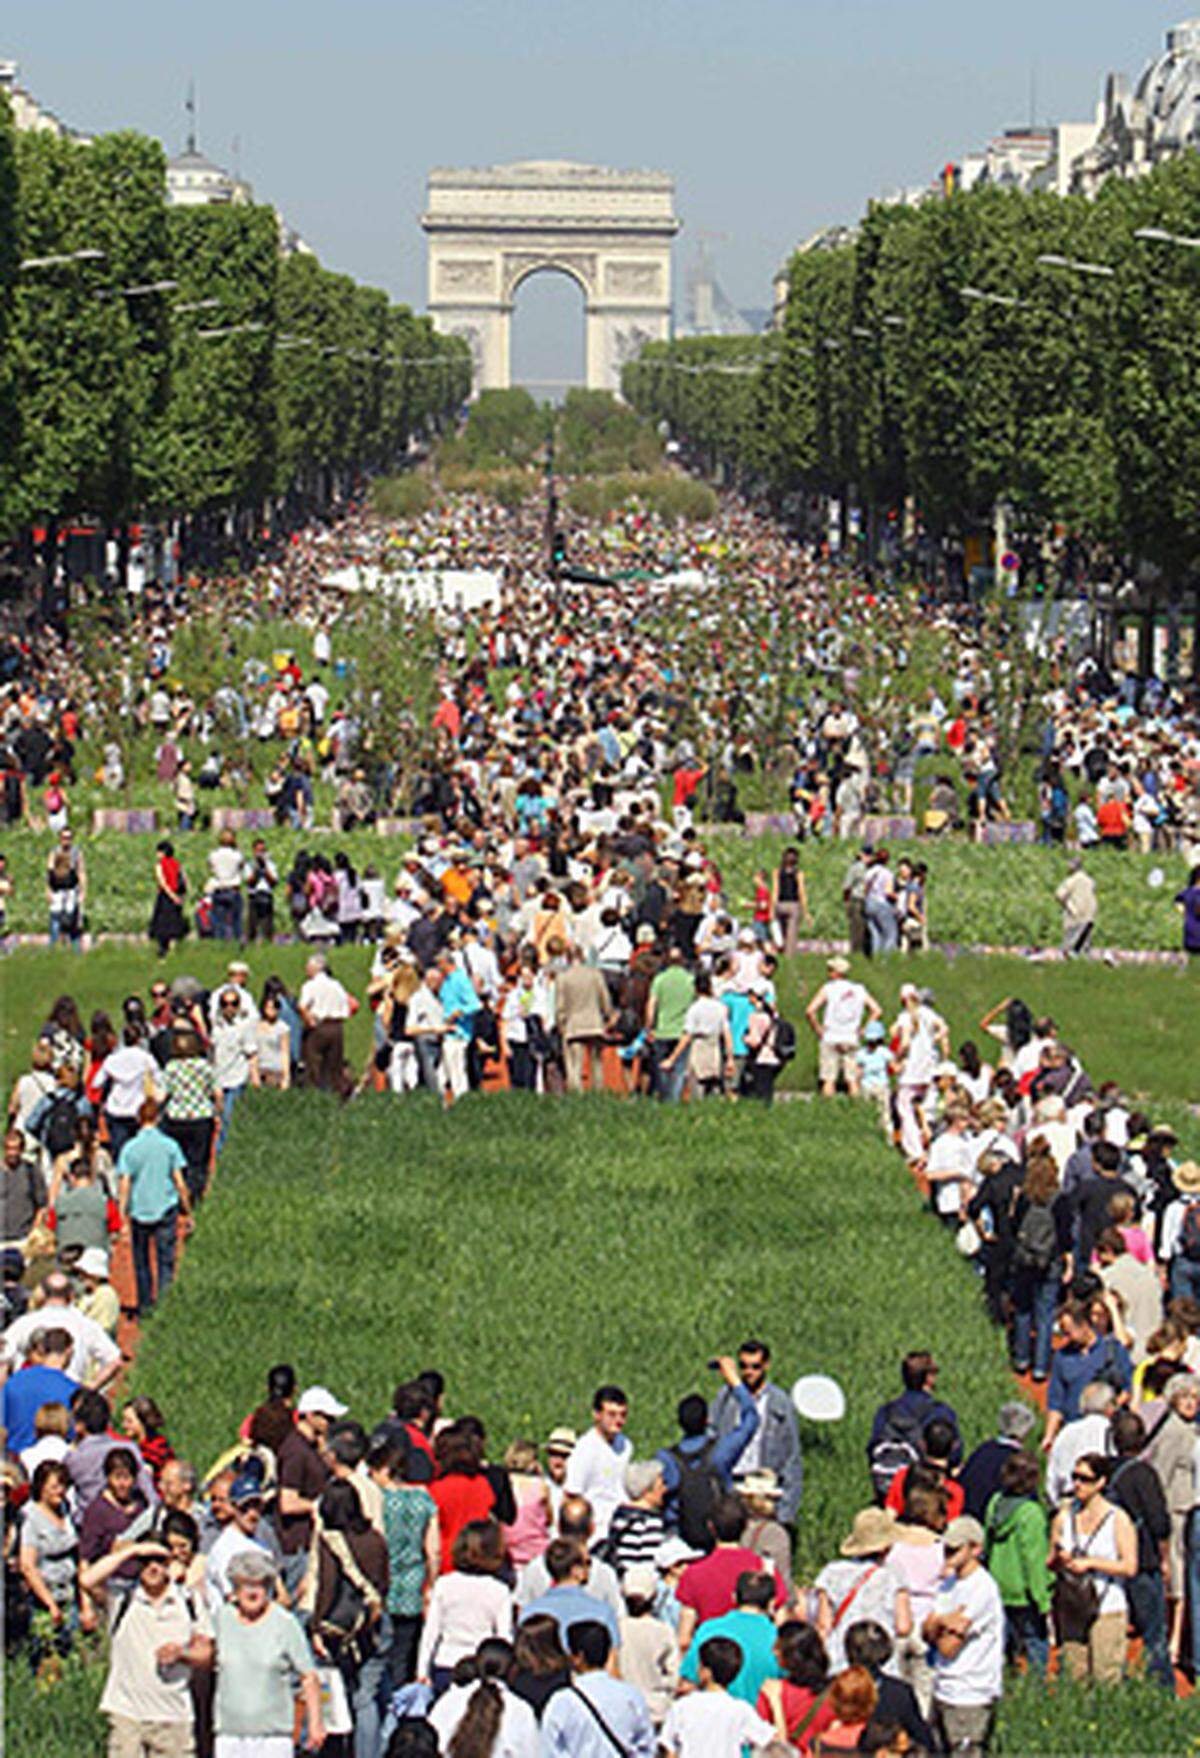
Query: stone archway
x=610, y=231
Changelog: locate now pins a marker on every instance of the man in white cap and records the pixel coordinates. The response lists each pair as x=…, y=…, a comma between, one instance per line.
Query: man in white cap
x=99, y=1300
x=303, y=1474
x=965, y=1629
x=835, y=1014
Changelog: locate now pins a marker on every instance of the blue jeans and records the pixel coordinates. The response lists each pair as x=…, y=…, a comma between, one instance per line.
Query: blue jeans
x=229, y=1098
x=669, y=1082
x=1185, y=1278
x=883, y=927
x=1148, y=1603
x=160, y=1235
x=120, y=1130
x=64, y=927
x=1026, y=1632
x=1034, y=1301
x=370, y=1692
x=227, y=915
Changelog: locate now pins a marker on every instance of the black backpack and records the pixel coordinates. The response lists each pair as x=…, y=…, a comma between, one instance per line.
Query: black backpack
x=785, y=1040
x=700, y=1489
x=1036, y=1246
x=898, y=1446
x=58, y=1130
x=1189, y=1234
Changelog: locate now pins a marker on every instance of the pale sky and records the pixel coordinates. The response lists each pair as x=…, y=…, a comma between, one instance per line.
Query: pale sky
x=775, y=116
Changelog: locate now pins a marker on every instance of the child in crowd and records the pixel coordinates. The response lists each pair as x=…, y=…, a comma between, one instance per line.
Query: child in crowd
x=873, y=1059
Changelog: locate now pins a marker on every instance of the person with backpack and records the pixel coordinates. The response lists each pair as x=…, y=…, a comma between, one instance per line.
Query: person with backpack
x=698, y=1469
x=1179, y=1232
x=1041, y=1231
x=54, y=1121
x=1083, y=1357
x=768, y=1046
x=1136, y=1486
x=899, y=1425
x=159, y=1634
x=1017, y=1538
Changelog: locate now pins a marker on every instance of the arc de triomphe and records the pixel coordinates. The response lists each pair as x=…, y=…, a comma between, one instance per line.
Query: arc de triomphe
x=611, y=231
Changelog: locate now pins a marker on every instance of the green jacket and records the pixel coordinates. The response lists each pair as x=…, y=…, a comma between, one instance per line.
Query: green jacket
x=1018, y=1543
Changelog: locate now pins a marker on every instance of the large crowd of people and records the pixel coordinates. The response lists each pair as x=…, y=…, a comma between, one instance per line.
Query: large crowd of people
x=382, y=1580
x=657, y=659
x=434, y=1594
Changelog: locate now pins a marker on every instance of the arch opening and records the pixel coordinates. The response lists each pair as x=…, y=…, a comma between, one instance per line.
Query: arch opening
x=549, y=332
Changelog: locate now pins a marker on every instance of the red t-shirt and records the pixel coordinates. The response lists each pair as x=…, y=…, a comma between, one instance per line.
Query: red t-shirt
x=797, y=1703
x=686, y=783
x=955, y=1499
x=1113, y=818
x=708, y=1586
x=460, y=1499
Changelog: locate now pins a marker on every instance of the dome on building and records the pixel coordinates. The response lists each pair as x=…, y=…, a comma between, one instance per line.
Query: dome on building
x=193, y=180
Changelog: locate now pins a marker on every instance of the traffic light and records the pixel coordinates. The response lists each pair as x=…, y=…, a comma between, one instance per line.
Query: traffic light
x=558, y=551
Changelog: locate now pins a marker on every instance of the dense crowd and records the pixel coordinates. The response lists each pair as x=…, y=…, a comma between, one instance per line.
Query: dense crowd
x=653, y=654
x=436, y=1596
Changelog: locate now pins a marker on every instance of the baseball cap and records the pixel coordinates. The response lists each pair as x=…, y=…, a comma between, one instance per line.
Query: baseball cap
x=320, y=1401
x=93, y=1262
x=672, y=1551
x=963, y=1530
x=246, y=1487
x=640, y=1582
x=874, y=1032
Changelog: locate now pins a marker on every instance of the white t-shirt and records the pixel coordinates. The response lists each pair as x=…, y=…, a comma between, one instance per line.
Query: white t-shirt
x=128, y=1076
x=921, y=1057
x=706, y=1018
x=845, y=1004
x=712, y=1724
x=324, y=998
x=976, y=1674
x=597, y=1470
x=93, y=1351
x=518, y=1733
x=950, y=1152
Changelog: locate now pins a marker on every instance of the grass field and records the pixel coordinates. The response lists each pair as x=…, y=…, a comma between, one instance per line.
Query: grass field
x=988, y=896
x=533, y=1253
x=533, y=1249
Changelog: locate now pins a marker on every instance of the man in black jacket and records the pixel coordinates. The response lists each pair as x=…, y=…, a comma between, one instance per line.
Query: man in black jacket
x=1135, y=1486
x=869, y=1645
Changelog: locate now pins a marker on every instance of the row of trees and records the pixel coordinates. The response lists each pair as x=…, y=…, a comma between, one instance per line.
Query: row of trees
x=935, y=368
x=172, y=363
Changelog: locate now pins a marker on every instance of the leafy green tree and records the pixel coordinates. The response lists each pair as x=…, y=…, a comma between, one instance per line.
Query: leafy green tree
x=221, y=429
x=9, y=270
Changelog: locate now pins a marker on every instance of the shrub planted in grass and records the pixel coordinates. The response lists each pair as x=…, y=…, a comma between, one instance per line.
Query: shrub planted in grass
x=400, y=497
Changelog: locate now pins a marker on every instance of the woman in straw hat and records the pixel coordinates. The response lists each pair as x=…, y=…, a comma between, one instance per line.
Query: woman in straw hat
x=862, y=1584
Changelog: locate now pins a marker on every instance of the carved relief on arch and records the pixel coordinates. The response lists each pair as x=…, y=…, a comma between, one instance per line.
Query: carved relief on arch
x=466, y=275
x=579, y=264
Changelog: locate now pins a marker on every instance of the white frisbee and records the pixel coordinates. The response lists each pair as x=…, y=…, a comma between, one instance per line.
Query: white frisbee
x=1156, y=878
x=818, y=1398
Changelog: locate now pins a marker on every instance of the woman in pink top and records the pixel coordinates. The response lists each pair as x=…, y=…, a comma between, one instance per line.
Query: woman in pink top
x=918, y=1557
x=529, y=1533
x=1122, y=1209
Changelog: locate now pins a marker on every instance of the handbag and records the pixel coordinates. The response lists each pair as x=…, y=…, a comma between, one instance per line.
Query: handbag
x=1075, y=1599
x=1074, y=1604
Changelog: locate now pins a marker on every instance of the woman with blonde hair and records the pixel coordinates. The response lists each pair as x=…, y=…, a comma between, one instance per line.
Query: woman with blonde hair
x=529, y=1534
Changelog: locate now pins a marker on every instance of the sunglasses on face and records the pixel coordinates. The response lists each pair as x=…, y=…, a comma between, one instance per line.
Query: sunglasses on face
x=1083, y=1477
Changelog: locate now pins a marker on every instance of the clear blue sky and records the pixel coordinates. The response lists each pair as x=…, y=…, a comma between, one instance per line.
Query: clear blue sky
x=775, y=116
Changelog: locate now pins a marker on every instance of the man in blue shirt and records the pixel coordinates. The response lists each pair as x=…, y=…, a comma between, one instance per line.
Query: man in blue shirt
x=1084, y=1357
x=460, y=1004
x=151, y=1193
x=43, y=1381
x=752, y=1627
x=700, y=1448
x=596, y=1715
x=566, y=1599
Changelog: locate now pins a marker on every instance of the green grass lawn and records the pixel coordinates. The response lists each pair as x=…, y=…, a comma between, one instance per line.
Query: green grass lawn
x=533, y=1249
